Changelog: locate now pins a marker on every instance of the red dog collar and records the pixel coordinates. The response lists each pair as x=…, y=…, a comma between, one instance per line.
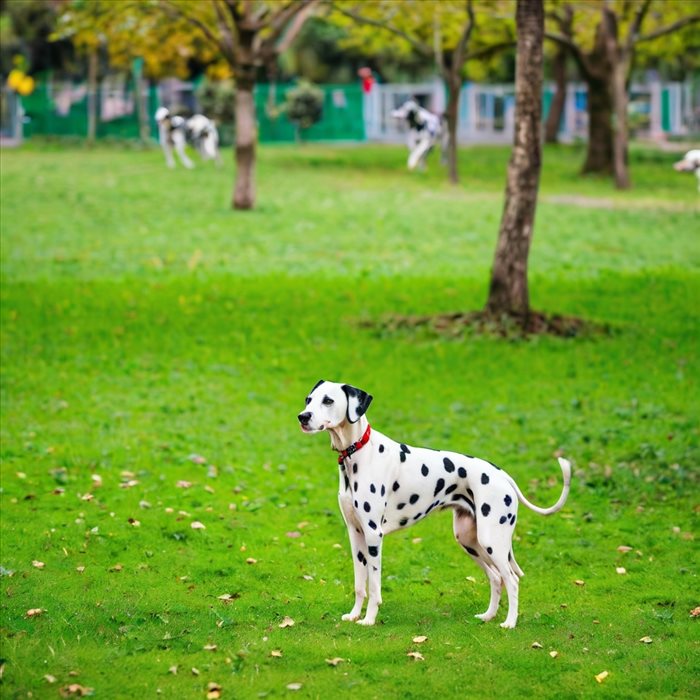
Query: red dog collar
x=355, y=446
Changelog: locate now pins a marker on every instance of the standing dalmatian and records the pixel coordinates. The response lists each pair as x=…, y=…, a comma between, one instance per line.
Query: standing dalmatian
x=386, y=486
x=425, y=129
x=175, y=131
x=690, y=164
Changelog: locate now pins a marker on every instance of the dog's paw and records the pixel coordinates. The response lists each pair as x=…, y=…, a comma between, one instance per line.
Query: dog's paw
x=508, y=625
x=365, y=622
x=484, y=617
x=350, y=617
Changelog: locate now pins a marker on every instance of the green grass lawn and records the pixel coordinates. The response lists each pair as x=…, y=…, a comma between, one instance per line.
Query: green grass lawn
x=151, y=336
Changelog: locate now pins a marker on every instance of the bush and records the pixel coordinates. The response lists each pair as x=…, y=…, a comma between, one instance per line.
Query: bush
x=216, y=100
x=304, y=105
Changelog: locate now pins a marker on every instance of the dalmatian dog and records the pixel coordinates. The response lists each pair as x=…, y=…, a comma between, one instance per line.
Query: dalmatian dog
x=690, y=164
x=425, y=130
x=174, y=131
x=386, y=486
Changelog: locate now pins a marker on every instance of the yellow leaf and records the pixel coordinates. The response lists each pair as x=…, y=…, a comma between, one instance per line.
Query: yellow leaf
x=34, y=612
x=294, y=686
x=416, y=655
x=334, y=662
x=276, y=653
x=536, y=645
x=38, y=564
x=602, y=676
x=646, y=640
x=287, y=622
x=420, y=639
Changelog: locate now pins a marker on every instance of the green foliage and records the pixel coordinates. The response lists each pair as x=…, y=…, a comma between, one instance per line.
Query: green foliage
x=217, y=99
x=303, y=105
x=150, y=336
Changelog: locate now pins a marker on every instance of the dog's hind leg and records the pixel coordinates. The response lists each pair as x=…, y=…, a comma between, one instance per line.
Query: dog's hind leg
x=464, y=526
x=179, y=143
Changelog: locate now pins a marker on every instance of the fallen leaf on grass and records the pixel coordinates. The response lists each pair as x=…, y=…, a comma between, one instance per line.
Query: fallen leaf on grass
x=173, y=670
x=579, y=582
x=213, y=691
x=75, y=689
x=276, y=653
x=182, y=484
x=420, y=639
x=144, y=504
x=38, y=564
x=196, y=525
x=197, y=459
x=554, y=654
x=602, y=676
x=195, y=671
x=416, y=540
x=210, y=647
x=49, y=678
x=117, y=567
x=228, y=597
x=416, y=655
x=334, y=662
x=134, y=523
x=536, y=645
x=287, y=622
x=250, y=560
x=34, y=612
x=471, y=579
x=646, y=640
x=621, y=570
x=695, y=612
x=80, y=569
x=294, y=686
x=87, y=497
x=293, y=535
x=623, y=548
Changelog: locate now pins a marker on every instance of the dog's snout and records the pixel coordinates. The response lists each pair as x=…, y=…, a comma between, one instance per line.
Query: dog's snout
x=305, y=417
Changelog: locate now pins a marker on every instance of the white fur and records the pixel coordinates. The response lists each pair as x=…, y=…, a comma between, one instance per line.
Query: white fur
x=425, y=130
x=174, y=132
x=689, y=164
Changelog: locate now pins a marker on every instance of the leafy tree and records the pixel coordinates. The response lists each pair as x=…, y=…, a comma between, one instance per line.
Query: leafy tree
x=448, y=32
x=604, y=44
x=304, y=106
x=508, y=292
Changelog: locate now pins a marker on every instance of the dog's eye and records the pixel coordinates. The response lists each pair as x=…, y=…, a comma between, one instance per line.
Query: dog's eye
x=308, y=400
x=327, y=401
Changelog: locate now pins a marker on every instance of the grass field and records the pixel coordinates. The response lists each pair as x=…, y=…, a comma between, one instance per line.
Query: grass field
x=156, y=348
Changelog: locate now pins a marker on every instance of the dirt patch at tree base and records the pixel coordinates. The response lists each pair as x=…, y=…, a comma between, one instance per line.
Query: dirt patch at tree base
x=486, y=323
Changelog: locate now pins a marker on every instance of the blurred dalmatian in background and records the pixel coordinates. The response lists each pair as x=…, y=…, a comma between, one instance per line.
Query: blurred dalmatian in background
x=690, y=164
x=175, y=131
x=425, y=130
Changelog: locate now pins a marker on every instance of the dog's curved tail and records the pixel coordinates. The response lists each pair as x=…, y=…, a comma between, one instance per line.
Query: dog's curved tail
x=566, y=472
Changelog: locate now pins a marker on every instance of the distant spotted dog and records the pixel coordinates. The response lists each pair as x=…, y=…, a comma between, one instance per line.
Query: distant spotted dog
x=425, y=130
x=386, y=486
x=690, y=164
x=175, y=131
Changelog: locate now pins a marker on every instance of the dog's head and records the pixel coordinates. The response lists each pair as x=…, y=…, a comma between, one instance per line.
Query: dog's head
x=329, y=405
x=690, y=162
x=162, y=113
x=407, y=110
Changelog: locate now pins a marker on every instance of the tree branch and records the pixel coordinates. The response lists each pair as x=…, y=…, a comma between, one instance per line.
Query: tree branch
x=487, y=51
x=294, y=27
x=636, y=23
x=669, y=28
x=419, y=46
x=579, y=56
x=458, y=55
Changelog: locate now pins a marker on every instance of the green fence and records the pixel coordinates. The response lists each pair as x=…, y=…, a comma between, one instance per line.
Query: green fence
x=62, y=110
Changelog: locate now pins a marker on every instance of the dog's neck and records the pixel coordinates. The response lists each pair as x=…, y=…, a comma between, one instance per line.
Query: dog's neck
x=345, y=434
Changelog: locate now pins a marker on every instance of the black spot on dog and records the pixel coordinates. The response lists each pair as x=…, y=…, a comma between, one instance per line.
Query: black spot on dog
x=367, y=507
x=354, y=486
x=361, y=558
x=485, y=479
x=418, y=517
x=381, y=448
x=395, y=487
x=470, y=492
x=502, y=519
x=372, y=524
x=414, y=497
x=424, y=470
x=402, y=456
x=512, y=522
x=510, y=556
x=485, y=509
x=462, y=473
x=489, y=550
x=493, y=465
x=405, y=449
x=403, y=521
x=347, y=483
x=373, y=488
x=507, y=500
x=373, y=551
x=401, y=506
x=439, y=486
x=356, y=506
x=450, y=489
x=449, y=465
x=471, y=551
x=354, y=468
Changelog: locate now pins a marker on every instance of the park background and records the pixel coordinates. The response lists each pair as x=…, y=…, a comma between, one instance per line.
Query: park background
x=163, y=519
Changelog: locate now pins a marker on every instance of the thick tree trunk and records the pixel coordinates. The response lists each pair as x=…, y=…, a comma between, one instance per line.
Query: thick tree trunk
x=244, y=189
x=556, y=108
x=451, y=114
x=599, y=154
x=621, y=132
x=508, y=293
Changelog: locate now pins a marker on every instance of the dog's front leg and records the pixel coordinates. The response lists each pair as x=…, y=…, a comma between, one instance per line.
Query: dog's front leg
x=374, y=571
x=359, y=555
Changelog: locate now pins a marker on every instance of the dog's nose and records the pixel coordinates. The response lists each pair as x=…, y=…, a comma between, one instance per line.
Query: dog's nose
x=304, y=418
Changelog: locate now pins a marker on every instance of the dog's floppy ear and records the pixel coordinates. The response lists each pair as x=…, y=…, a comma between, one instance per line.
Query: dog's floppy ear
x=358, y=402
x=318, y=383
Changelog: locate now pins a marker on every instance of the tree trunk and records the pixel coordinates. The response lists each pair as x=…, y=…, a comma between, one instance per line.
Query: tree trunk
x=556, y=108
x=451, y=114
x=621, y=133
x=599, y=154
x=93, y=59
x=508, y=293
x=244, y=189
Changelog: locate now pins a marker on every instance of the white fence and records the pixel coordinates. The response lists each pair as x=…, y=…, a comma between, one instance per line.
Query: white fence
x=656, y=110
